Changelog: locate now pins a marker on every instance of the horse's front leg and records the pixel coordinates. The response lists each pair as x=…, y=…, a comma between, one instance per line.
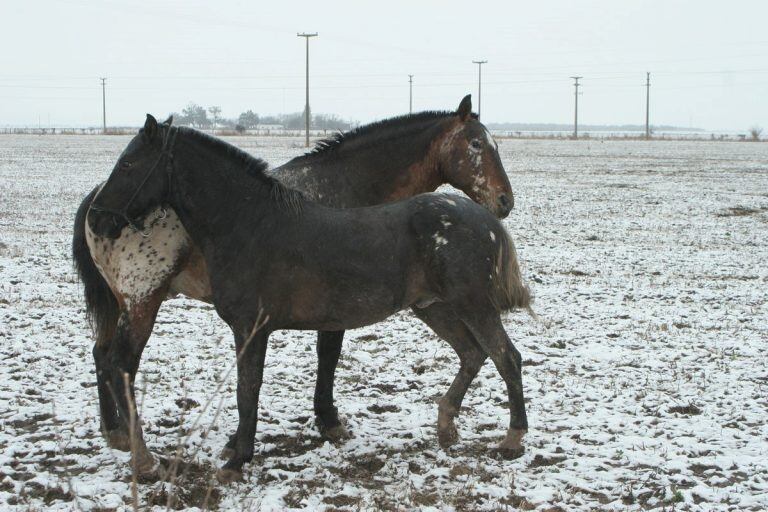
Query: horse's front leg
x=326, y=415
x=134, y=328
x=251, y=352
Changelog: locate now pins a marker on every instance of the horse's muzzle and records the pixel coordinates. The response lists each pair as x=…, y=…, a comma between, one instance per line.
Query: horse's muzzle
x=504, y=205
x=105, y=224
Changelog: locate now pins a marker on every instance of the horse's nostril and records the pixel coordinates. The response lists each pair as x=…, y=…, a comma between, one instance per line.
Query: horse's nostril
x=506, y=202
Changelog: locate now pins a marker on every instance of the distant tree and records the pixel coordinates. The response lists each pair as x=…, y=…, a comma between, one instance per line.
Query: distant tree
x=240, y=128
x=248, y=119
x=214, y=111
x=755, y=132
x=330, y=122
x=271, y=120
x=194, y=115
x=293, y=121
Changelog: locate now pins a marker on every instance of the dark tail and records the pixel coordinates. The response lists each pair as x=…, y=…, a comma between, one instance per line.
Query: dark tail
x=509, y=291
x=102, y=310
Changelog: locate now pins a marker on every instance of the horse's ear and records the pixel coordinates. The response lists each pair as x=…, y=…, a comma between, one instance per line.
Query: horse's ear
x=150, y=127
x=465, y=108
x=169, y=121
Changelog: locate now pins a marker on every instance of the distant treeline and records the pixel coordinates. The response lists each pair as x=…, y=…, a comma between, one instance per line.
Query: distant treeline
x=200, y=117
x=552, y=127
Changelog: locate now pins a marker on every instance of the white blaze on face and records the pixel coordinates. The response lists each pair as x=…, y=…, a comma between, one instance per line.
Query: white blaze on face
x=135, y=266
x=489, y=138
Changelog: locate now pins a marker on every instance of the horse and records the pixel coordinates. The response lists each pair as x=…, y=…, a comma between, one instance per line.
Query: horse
x=276, y=260
x=376, y=163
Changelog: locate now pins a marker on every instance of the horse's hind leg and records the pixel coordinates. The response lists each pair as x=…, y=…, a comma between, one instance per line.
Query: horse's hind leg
x=133, y=331
x=442, y=319
x=490, y=334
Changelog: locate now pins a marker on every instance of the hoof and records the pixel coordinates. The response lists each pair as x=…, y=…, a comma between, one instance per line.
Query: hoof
x=227, y=476
x=145, y=465
x=118, y=440
x=337, y=434
x=512, y=445
x=447, y=435
x=510, y=453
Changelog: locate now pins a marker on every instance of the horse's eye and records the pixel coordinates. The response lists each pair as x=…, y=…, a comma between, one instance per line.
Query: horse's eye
x=125, y=165
x=475, y=144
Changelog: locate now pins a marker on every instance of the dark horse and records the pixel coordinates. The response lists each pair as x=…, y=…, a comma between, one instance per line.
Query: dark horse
x=278, y=261
x=382, y=162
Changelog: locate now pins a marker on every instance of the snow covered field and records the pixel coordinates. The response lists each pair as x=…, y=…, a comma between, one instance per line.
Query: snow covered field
x=646, y=381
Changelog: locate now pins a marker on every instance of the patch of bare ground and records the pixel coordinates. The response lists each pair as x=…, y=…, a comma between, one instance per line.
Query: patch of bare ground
x=190, y=484
x=688, y=410
x=741, y=211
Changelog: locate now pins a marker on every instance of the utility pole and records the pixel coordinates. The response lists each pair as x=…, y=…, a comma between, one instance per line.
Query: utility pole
x=410, y=94
x=306, y=36
x=104, y=105
x=576, y=108
x=479, y=83
x=647, y=104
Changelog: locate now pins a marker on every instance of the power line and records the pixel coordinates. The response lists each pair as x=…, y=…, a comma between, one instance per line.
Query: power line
x=306, y=36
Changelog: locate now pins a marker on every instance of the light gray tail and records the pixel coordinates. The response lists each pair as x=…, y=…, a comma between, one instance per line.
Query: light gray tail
x=509, y=290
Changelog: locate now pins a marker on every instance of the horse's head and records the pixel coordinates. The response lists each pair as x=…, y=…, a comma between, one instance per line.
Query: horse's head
x=469, y=160
x=139, y=181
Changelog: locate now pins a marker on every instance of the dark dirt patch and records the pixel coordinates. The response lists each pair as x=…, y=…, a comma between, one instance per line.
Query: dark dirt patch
x=700, y=470
x=368, y=337
x=186, y=404
x=168, y=422
x=194, y=485
x=48, y=495
x=341, y=500
x=424, y=499
x=288, y=446
x=540, y=460
x=378, y=409
x=689, y=410
x=30, y=424
x=741, y=211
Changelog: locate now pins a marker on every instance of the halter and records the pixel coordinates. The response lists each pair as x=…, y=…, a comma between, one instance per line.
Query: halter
x=169, y=139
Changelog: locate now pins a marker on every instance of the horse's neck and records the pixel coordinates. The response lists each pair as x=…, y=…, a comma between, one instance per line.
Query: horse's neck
x=210, y=200
x=372, y=174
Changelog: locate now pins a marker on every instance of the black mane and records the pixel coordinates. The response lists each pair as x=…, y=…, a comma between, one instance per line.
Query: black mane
x=383, y=129
x=253, y=166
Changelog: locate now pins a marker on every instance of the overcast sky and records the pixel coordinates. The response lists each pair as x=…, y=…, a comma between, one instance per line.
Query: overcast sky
x=708, y=59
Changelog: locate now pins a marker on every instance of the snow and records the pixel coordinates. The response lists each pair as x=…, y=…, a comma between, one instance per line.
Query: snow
x=646, y=379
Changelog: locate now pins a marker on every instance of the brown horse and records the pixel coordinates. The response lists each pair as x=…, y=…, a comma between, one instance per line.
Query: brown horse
x=278, y=261
x=378, y=163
